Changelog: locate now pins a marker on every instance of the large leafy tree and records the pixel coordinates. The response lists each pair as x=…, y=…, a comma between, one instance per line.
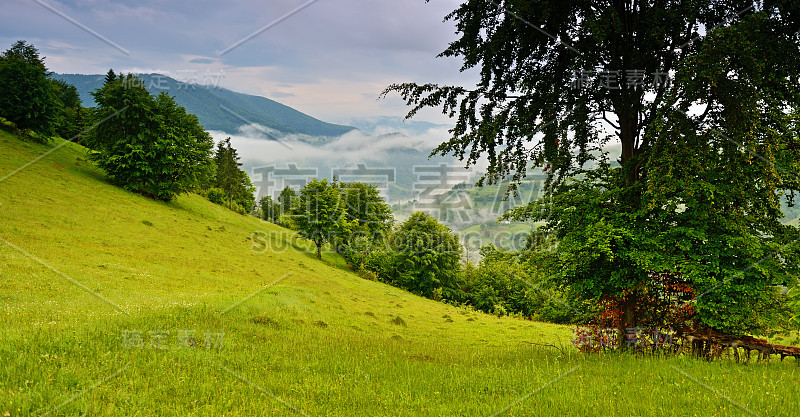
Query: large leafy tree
x=319, y=213
x=425, y=258
x=705, y=120
x=364, y=204
x=147, y=144
x=27, y=96
x=371, y=217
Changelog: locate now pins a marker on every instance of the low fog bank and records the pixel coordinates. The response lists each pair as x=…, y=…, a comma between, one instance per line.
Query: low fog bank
x=397, y=162
x=394, y=157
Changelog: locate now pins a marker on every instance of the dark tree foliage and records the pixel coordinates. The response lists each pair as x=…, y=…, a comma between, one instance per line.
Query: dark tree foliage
x=110, y=76
x=269, y=209
x=286, y=200
x=148, y=144
x=71, y=117
x=27, y=96
x=704, y=114
x=364, y=204
x=231, y=179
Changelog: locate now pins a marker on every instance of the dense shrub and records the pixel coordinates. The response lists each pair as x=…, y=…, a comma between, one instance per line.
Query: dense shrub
x=426, y=256
x=217, y=196
x=501, y=284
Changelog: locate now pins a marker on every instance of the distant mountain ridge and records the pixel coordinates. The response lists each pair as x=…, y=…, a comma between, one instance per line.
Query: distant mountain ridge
x=219, y=108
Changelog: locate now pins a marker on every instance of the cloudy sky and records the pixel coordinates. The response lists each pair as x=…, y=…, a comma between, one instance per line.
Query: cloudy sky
x=330, y=58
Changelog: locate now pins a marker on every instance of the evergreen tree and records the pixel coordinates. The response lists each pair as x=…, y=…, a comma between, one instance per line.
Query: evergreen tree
x=371, y=217
x=231, y=179
x=110, y=76
x=27, y=97
x=286, y=200
x=228, y=165
x=268, y=209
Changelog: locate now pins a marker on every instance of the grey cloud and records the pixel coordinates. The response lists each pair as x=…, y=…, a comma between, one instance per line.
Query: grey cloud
x=372, y=43
x=279, y=94
x=202, y=61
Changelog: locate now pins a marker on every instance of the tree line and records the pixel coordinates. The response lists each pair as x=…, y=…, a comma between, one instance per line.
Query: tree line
x=31, y=102
x=420, y=255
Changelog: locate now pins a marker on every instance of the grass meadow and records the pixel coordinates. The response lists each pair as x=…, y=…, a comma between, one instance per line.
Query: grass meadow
x=114, y=304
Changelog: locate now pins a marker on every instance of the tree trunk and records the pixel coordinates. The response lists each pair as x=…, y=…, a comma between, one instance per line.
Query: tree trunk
x=628, y=129
x=627, y=321
x=698, y=346
x=627, y=135
x=319, y=250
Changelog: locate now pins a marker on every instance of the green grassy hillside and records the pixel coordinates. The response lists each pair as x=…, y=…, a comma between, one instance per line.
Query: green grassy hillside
x=113, y=304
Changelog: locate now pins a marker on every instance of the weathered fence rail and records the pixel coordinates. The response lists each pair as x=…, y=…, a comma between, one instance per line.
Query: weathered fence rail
x=710, y=344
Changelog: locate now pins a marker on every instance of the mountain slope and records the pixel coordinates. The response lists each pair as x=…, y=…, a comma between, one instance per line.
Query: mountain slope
x=219, y=108
x=84, y=263
x=112, y=304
